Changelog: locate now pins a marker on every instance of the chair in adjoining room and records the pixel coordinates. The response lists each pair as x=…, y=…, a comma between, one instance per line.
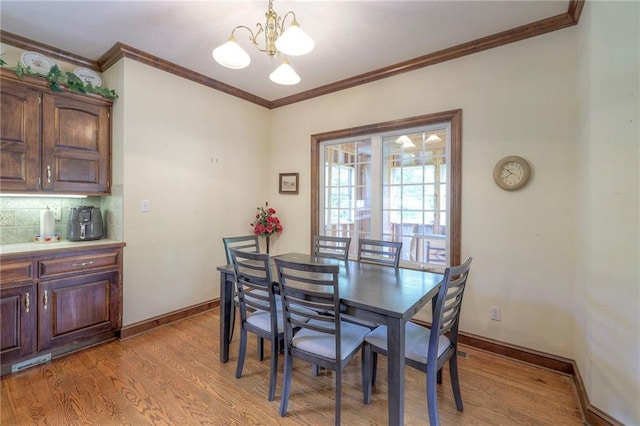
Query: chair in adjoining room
x=259, y=313
x=248, y=243
x=385, y=253
x=323, y=339
x=427, y=349
x=331, y=247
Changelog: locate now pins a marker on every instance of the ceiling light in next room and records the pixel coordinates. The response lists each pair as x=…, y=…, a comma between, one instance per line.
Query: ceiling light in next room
x=405, y=141
x=433, y=138
x=277, y=40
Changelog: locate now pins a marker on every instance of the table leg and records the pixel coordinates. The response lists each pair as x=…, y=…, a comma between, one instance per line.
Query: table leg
x=395, y=361
x=226, y=291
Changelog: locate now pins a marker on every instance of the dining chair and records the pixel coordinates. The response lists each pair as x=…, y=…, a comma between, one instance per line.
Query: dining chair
x=323, y=339
x=247, y=243
x=380, y=252
x=427, y=349
x=331, y=247
x=259, y=313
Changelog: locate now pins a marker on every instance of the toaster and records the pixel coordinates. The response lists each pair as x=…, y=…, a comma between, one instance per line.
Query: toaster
x=85, y=224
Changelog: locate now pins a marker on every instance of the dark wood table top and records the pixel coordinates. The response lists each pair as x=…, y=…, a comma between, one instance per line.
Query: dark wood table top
x=379, y=289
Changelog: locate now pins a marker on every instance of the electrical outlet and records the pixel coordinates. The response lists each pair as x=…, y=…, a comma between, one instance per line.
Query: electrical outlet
x=495, y=313
x=145, y=206
x=56, y=211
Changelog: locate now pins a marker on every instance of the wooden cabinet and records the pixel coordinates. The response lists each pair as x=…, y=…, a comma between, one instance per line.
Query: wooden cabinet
x=18, y=315
x=18, y=312
x=59, y=301
x=20, y=138
x=53, y=142
x=77, y=307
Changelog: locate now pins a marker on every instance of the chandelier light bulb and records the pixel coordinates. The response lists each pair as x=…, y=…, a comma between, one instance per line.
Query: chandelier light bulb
x=294, y=41
x=284, y=75
x=231, y=55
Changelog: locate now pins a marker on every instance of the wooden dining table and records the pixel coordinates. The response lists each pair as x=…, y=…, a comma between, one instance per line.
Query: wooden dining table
x=376, y=293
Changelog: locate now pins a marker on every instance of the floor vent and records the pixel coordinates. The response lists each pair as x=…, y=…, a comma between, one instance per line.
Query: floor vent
x=462, y=354
x=30, y=362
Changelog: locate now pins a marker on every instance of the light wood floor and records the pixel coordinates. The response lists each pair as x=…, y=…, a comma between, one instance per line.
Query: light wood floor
x=173, y=376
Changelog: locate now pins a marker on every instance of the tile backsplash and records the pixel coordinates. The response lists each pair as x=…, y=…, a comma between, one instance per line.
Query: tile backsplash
x=20, y=216
x=7, y=218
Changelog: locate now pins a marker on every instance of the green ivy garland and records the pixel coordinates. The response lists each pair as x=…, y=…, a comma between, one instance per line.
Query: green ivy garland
x=57, y=79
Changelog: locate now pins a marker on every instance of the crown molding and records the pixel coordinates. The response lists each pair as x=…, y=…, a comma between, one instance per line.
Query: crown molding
x=533, y=29
x=49, y=51
x=119, y=50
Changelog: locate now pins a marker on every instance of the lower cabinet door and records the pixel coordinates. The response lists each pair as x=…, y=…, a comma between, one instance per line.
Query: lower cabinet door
x=77, y=308
x=18, y=314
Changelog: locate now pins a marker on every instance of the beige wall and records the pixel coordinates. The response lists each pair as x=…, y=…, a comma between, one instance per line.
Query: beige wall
x=518, y=99
x=200, y=157
x=608, y=280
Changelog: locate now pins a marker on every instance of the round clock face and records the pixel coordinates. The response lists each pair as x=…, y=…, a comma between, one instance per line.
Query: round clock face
x=512, y=173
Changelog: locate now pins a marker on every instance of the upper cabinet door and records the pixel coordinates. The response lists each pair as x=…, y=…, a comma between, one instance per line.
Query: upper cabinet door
x=76, y=145
x=20, y=138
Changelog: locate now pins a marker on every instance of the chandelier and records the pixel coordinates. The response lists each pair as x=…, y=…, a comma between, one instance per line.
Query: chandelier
x=290, y=42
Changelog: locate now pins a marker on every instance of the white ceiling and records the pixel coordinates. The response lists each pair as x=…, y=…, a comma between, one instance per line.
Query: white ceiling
x=352, y=37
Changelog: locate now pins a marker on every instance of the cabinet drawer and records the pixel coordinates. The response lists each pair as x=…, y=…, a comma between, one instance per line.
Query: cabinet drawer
x=15, y=272
x=52, y=267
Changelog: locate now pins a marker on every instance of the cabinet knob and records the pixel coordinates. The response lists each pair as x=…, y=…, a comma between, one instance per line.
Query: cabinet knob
x=48, y=173
x=45, y=300
x=27, y=302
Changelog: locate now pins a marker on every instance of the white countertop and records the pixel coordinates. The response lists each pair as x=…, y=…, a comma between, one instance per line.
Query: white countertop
x=64, y=244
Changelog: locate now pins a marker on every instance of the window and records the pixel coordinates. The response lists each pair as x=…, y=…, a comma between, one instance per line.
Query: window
x=395, y=181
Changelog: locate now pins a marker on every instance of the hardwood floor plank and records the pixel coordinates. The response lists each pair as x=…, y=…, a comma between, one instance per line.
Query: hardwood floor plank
x=172, y=376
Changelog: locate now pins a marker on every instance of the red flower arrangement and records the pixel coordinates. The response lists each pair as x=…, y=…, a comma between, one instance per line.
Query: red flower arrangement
x=266, y=223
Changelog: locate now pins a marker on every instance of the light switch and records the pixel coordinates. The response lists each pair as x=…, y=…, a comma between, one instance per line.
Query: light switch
x=145, y=206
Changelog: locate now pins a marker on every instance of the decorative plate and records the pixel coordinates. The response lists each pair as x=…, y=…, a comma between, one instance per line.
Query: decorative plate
x=36, y=62
x=88, y=76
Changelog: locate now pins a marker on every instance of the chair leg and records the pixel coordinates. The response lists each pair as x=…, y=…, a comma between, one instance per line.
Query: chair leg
x=315, y=370
x=232, y=321
x=286, y=383
x=440, y=376
x=260, y=348
x=366, y=373
x=242, y=351
x=455, y=384
x=432, y=397
x=338, y=393
x=374, y=373
x=273, y=374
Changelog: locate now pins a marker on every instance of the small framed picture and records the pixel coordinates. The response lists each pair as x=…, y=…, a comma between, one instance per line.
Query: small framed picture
x=288, y=183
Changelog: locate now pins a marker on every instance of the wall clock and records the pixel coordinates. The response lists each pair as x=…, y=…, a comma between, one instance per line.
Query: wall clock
x=512, y=173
